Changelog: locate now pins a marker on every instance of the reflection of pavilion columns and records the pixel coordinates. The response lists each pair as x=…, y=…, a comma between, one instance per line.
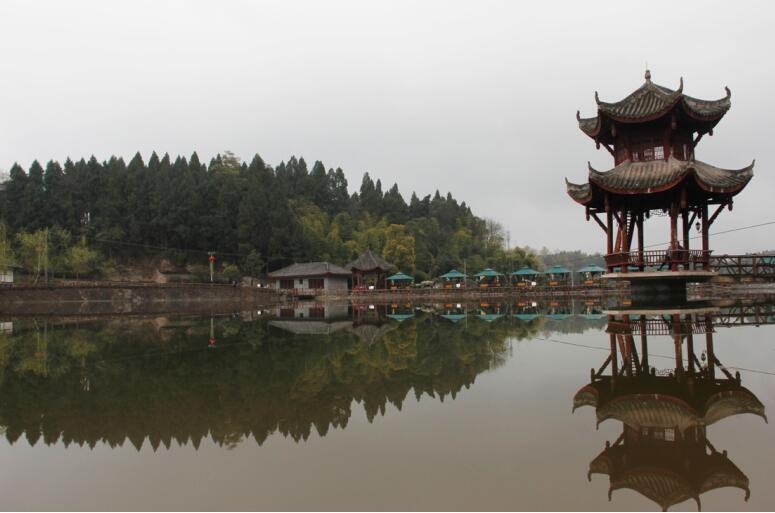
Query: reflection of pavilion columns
x=663, y=451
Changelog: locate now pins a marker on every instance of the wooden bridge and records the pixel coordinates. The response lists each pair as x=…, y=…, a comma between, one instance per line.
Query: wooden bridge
x=744, y=267
x=738, y=267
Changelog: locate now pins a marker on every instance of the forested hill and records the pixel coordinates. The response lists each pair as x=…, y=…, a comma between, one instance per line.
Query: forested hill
x=253, y=215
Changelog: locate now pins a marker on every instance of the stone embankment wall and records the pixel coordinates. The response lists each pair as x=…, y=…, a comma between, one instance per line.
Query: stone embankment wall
x=131, y=298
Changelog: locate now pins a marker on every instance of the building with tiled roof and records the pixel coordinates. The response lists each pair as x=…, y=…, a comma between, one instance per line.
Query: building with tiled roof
x=369, y=270
x=310, y=277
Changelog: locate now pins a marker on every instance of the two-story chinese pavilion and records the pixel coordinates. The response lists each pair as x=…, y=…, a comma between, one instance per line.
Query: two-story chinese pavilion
x=652, y=135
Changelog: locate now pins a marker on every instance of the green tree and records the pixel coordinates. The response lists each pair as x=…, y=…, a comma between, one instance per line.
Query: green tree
x=81, y=259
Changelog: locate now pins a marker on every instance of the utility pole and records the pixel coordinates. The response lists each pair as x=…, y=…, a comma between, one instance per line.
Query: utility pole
x=211, y=258
x=45, y=259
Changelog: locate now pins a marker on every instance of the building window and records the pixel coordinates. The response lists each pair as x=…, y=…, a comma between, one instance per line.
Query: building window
x=286, y=284
x=316, y=283
x=301, y=281
x=317, y=312
x=670, y=435
x=648, y=154
x=659, y=152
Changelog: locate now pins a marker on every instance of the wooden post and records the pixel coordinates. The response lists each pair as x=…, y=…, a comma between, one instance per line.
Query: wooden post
x=685, y=216
x=710, y=353
x=673, y=236
x=609, y=233
x=640, y=241
x=690, y=348
x=614, y=357
x=644, y=346
x=679, y=362
x=705, y=240
x=685, y=230
x=622, y=238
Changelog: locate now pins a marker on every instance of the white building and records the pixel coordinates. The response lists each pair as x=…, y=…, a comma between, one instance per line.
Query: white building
x=6, y=276
x=310, y=277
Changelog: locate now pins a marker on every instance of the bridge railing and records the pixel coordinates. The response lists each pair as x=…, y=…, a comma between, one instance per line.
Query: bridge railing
x=753, y=266
x=661, y=260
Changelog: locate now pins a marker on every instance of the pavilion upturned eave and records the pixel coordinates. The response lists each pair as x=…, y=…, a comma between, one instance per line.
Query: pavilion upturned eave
x=649, y=178
x=651, y=102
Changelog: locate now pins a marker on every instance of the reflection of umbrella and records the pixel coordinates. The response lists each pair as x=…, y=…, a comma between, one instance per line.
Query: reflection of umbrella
x=454, y=317
x=400, y=317
x=526, y=317
x=557, y=317
x=489, y=317
x=592, y=317
x=309, y=327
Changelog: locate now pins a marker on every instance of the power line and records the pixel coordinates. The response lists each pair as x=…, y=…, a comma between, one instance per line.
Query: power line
x=722, y=232
x=719, y=233
x=655, y=355
x=167, y=248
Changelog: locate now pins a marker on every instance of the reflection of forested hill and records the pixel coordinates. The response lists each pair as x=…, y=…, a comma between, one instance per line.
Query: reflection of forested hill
x=133, y=380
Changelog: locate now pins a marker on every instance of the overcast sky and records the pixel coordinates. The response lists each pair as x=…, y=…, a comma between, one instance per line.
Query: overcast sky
x=476, y=98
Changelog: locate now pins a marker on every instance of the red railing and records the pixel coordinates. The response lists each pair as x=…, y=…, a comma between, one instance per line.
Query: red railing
x=660, y=260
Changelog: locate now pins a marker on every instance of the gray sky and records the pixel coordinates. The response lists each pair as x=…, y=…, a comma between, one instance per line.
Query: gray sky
x=478, y=98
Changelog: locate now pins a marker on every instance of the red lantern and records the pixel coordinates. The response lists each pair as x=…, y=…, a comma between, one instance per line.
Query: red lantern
x=211, y=258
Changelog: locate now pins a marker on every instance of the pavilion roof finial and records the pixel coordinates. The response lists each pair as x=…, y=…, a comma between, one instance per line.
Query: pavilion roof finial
x=648, y=75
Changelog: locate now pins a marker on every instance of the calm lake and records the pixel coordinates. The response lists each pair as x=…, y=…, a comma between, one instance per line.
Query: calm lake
x=383, y=407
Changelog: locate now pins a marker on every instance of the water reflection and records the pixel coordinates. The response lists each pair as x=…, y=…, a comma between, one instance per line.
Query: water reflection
x=663, y=451
x=232, y=378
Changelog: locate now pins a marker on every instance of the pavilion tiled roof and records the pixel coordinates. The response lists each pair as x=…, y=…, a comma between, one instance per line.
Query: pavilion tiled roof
x=667, y=477
x=368, y=261
x=309, y=269
x=659, y=175
x=652, y=101
x=665, y=410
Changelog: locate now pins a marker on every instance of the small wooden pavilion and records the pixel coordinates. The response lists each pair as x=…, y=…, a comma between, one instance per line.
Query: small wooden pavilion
x=489, y=278
x=590, y=274
x=652, y=135
x=369, y=271
x=453, y=279
x=399, y=281
x=557, y=276
x=524, y=277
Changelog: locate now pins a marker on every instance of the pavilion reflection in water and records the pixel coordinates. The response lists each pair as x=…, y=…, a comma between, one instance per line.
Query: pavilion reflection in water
x=663, y=451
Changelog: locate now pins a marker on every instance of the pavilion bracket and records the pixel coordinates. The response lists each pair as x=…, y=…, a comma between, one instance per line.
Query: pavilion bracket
x=716, y=213
x=600, y=223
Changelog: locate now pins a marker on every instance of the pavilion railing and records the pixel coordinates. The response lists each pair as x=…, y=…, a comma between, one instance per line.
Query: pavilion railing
x=657, y=327
x=659, y=260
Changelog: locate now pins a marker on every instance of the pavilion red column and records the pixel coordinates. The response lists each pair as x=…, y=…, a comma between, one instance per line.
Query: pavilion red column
x=622, y=240
x=673, y=236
